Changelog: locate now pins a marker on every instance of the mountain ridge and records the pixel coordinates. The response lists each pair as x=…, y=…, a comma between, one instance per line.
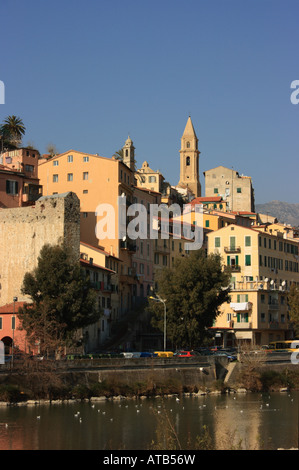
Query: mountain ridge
x=285, y=212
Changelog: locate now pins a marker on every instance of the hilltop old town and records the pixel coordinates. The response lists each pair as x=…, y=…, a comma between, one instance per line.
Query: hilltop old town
x=61, y=198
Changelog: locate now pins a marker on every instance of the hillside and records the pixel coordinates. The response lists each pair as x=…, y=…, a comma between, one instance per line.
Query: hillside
x=284, y=211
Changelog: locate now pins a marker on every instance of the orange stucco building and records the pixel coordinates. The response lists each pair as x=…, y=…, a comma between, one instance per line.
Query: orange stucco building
x=98, y=183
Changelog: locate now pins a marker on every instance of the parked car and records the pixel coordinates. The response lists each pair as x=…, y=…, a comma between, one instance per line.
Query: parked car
x=230, y=357
x=163, y=354
x=186, y=354
x=205, y=352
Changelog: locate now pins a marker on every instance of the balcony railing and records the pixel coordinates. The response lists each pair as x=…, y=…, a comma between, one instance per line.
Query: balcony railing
x=235, y=268
x=232, y=249
x=242, y=325
x=273, y=305
x=128, y=245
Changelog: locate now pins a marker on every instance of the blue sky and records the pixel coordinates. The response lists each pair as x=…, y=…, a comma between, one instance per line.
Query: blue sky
x=84, y=75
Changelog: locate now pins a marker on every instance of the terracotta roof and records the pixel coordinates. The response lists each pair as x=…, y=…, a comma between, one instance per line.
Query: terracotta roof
x=8, y=308
x=199, y=200
x=101, y=250
x=93, y=265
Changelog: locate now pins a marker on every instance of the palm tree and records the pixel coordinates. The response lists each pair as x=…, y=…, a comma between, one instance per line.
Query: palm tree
x=119, y=155
x=13, y=129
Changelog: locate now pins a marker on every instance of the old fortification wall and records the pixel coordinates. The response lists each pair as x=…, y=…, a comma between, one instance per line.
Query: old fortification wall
x=23, y=232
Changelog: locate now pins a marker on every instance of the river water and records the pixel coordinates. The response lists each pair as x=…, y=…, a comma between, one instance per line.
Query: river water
x=243, y=421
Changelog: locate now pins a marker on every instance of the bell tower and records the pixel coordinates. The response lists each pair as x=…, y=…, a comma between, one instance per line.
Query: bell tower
x=129, y=154
x=189, y=155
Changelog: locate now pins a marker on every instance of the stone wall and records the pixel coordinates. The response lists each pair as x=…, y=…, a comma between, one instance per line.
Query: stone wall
x=24, y=231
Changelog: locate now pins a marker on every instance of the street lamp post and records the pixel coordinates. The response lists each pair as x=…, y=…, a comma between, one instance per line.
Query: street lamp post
x=158, y=299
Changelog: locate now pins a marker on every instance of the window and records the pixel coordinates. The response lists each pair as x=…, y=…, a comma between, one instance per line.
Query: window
x=239, y=190
x=247, y=260
x=70, y=158
x=29, y=168
x=0, y=323
x=152, y=179
x=85, y=191
x=85, y=159
x=141, y=268
x=70, y=176
x=207, y=224
x=217, y=242
x=55, y=163
x=11, y=187
x=247, y=241
x=188, y=161
x=188, y=145
x=55, y=178
x=156, y=258
x=85, y=175
x=215, y=190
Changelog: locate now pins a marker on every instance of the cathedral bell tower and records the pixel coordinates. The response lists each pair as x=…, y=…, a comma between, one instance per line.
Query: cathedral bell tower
x=129, y=154
x=189, y=173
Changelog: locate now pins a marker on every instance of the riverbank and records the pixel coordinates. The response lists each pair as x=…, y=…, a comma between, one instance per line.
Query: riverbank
x=49, y=383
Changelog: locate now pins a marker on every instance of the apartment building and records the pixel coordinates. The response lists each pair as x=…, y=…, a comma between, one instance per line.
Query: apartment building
x=263, y=266
x=237, y=190
x=100, y=183
x=100, y=279
x=19, y=183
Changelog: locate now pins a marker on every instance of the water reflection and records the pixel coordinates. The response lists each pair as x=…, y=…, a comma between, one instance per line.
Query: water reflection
x=247, y=421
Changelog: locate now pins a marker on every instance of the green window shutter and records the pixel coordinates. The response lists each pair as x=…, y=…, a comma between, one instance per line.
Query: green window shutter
x=228, y=261
x=232, y=242
x=237, y=260
x=238, y=298
x=217, y=242
x=246, y=317
x=247, y=260
x=238, y=318
x=248, y=241
x=246, y=297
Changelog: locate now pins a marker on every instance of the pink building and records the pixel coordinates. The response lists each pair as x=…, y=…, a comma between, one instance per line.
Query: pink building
x=9, y=329
x=19, y=183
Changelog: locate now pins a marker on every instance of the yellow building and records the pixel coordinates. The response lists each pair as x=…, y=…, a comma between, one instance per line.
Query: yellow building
x=263, y=266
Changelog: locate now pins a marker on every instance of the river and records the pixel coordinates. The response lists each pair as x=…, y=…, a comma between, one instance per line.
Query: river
x=245, y=421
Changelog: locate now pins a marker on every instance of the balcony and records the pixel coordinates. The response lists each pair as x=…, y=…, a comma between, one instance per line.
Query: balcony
x=232, y=249
x=235, y=268
x=129, y=245
x=129, y=278
x=242, y=325
x=241, y=306
x=273, y=305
